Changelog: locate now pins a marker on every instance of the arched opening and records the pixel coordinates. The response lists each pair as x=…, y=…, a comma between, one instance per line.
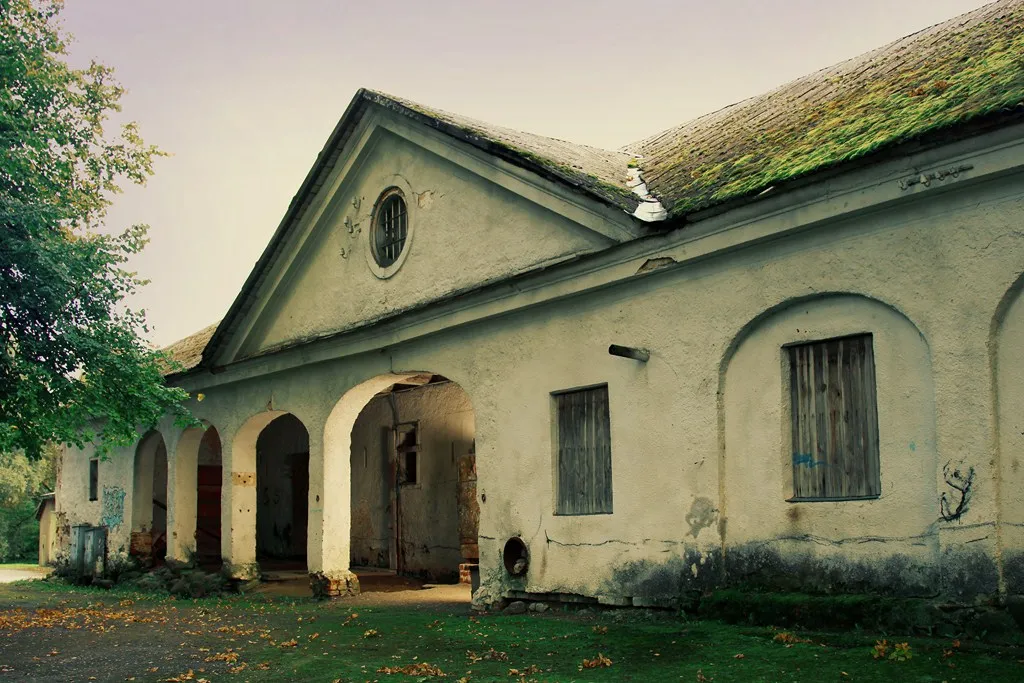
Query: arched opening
x=149, y=500
x=779, y=364
x=209, y=479
x=408, y=443
x=282, y=485
x=1008, y=376
x=194, y=515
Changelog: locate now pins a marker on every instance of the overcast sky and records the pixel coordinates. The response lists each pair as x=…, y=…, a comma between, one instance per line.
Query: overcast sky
x=244, y=93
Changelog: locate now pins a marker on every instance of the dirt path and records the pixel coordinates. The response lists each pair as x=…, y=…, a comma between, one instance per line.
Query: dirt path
x=12, y=575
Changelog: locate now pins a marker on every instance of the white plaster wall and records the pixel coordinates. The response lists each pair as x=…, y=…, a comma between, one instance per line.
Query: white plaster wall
x=116, y=476
x=1009, y=356
x=944, y=263
x=47, y=535
x=757, y=461
x=465, y=231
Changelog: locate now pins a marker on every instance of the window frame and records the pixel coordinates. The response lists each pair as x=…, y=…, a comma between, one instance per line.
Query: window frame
x=790, y=424
x=556, y=443
x=382, y=268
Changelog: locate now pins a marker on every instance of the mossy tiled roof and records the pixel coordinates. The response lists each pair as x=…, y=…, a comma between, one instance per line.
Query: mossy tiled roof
x=950, y=74
x=596, y=171
x=186, y=353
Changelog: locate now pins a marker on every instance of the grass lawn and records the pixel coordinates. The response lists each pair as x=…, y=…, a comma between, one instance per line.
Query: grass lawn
x=245, y=638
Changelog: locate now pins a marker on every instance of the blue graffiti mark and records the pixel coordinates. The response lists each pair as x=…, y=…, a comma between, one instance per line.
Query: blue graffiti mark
x=808, y=460
x=113, y=507
x=913, y=446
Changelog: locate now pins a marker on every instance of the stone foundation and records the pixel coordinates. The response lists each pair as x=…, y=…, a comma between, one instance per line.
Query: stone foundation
x=334, y=584
x=241, y=572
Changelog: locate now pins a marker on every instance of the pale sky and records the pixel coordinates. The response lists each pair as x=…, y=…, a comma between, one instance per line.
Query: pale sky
x=244, y=93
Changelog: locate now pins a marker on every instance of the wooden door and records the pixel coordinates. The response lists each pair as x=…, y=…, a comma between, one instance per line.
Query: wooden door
x=208, y=512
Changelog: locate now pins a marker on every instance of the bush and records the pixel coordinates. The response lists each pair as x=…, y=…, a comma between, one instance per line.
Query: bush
x=184, y=583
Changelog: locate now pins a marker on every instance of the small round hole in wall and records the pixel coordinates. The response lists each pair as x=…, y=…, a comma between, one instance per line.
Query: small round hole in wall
x=318, y=499
x=516, y=556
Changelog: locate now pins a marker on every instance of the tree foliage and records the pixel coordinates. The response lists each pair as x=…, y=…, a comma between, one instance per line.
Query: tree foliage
x=22, y=481
x=73, y=366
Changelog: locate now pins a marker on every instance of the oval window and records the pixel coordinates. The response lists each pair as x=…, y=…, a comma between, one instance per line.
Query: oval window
x=390, y=228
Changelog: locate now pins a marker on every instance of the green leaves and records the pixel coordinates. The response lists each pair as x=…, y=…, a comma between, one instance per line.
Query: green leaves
x=73, y=365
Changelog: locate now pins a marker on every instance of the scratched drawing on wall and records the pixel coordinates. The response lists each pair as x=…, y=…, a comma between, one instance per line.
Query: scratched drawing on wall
x=961, y=481
x=113, y=507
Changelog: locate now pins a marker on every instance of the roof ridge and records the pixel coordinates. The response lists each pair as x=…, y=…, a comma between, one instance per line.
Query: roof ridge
x=417, y=106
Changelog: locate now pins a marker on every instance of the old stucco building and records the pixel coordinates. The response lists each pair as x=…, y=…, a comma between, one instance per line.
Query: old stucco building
x=818, y=296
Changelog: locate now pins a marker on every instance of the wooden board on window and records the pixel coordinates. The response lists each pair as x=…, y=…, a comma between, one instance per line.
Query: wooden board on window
x=834, y=419
x=584, y=452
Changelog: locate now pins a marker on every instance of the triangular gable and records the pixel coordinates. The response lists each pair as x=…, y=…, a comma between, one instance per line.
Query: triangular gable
x=585, y=186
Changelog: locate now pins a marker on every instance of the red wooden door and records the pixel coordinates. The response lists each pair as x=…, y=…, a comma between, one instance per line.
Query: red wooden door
x=208, y=512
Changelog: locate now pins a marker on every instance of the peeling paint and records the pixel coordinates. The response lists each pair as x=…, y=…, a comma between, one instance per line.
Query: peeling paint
x=113, y=507
x=657, y=263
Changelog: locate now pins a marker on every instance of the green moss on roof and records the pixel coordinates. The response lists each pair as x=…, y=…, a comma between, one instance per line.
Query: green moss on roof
x=186, y=353
x=951, y=74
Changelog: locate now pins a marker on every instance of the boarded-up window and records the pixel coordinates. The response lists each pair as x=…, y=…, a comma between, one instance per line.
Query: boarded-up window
x=835, y=419
x=584, y=485
x=94, y=479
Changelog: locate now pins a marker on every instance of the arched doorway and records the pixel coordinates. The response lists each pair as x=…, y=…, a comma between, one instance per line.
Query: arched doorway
x=194, y=517
x=209, y=480
x=282, y=484
x=149, y=500
x=408, y=442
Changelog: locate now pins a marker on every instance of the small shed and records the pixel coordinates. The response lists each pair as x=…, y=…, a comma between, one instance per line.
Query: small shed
x=47, y=515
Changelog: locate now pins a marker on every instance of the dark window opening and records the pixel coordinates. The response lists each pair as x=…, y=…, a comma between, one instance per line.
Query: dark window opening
x=410, y=468
x=94, y=479
x=584, y=470
x=408, y=450
x=834, y=420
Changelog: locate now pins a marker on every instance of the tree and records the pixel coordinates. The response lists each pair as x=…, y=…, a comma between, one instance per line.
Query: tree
x=22, y=481
x=74, y=366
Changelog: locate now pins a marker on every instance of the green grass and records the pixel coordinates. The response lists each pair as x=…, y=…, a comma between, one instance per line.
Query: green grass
x=300, y=639
x=640, y=648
